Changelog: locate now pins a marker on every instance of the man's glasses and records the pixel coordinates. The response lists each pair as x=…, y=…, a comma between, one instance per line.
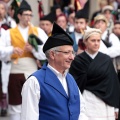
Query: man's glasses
x=28, y=15
x=67, y=52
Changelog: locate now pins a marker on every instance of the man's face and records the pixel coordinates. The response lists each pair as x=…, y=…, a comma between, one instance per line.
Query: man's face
x=41, y=25
x=80, y=24
x=2, y=11
x=25, y=18
x=47, y=26
x=100, y=24
x=93, y=43
x=116, y=29
x=63, y=58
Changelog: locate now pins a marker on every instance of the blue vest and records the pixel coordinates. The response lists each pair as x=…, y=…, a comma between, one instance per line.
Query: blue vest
x=54, y=103
x=75, y=45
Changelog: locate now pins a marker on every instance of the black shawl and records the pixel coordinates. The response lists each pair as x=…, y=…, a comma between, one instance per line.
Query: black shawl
x=98, y=76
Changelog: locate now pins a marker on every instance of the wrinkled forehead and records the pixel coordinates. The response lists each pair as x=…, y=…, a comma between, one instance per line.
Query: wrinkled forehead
x=66, y=47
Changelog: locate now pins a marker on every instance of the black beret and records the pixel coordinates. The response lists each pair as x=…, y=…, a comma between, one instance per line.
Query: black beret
x=24, y=6
x=58, y=38
x=81, y=14
x=49, y=17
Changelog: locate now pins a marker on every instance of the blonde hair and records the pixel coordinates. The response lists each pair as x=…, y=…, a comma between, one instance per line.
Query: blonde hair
x=89, y=32
x=100, y=17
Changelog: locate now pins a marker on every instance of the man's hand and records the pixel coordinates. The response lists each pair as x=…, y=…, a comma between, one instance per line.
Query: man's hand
x=28, y=47
x=18, y=51
x=38, y=64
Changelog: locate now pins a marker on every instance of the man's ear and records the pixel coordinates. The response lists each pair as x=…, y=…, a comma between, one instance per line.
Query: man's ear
x=52, y=55
x=19, y=16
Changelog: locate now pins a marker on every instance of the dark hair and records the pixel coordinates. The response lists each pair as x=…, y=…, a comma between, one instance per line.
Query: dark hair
x=86, y=20
x=20, y=12
x=116, y=22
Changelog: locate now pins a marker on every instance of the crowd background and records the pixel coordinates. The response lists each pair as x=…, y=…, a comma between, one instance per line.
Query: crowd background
x=74, y=17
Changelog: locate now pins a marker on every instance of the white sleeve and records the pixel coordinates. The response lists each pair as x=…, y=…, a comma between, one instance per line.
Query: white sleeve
x=30, y=99
x=114, y=50
x=5, y=45
x=103, y=48
x=43, y=37
x=82, y=115
x=5, y=53
x=12, y=22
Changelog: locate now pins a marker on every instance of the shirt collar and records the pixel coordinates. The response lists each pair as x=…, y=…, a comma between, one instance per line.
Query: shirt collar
x=92, y=55
x=56, y=72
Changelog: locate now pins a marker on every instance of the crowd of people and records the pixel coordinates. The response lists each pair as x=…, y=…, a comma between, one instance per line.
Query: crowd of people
x=67, y=67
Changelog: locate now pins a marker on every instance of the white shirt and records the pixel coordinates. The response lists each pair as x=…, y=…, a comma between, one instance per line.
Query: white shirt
x=114, y=50
x=60, y=77
x=5, y=48
x=103, y=48
x=31, y=97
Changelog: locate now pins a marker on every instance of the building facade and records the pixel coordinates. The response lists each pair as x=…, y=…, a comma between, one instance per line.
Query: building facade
x=47, y=4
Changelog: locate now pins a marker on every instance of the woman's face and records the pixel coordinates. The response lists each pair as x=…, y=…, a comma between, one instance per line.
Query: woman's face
x=108, y=14
x=100, y=24
x=61, y=21
x=93, y=43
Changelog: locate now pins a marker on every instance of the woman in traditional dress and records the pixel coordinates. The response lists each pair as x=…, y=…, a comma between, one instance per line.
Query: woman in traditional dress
x=96, y=77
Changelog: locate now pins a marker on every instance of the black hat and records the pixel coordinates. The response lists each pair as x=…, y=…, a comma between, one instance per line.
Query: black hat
x=58, y=38
x=24, y=6
x=49, y=17
x=81, y=14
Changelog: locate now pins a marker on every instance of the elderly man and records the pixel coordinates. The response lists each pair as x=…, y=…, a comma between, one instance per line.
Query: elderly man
x=52, y=93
